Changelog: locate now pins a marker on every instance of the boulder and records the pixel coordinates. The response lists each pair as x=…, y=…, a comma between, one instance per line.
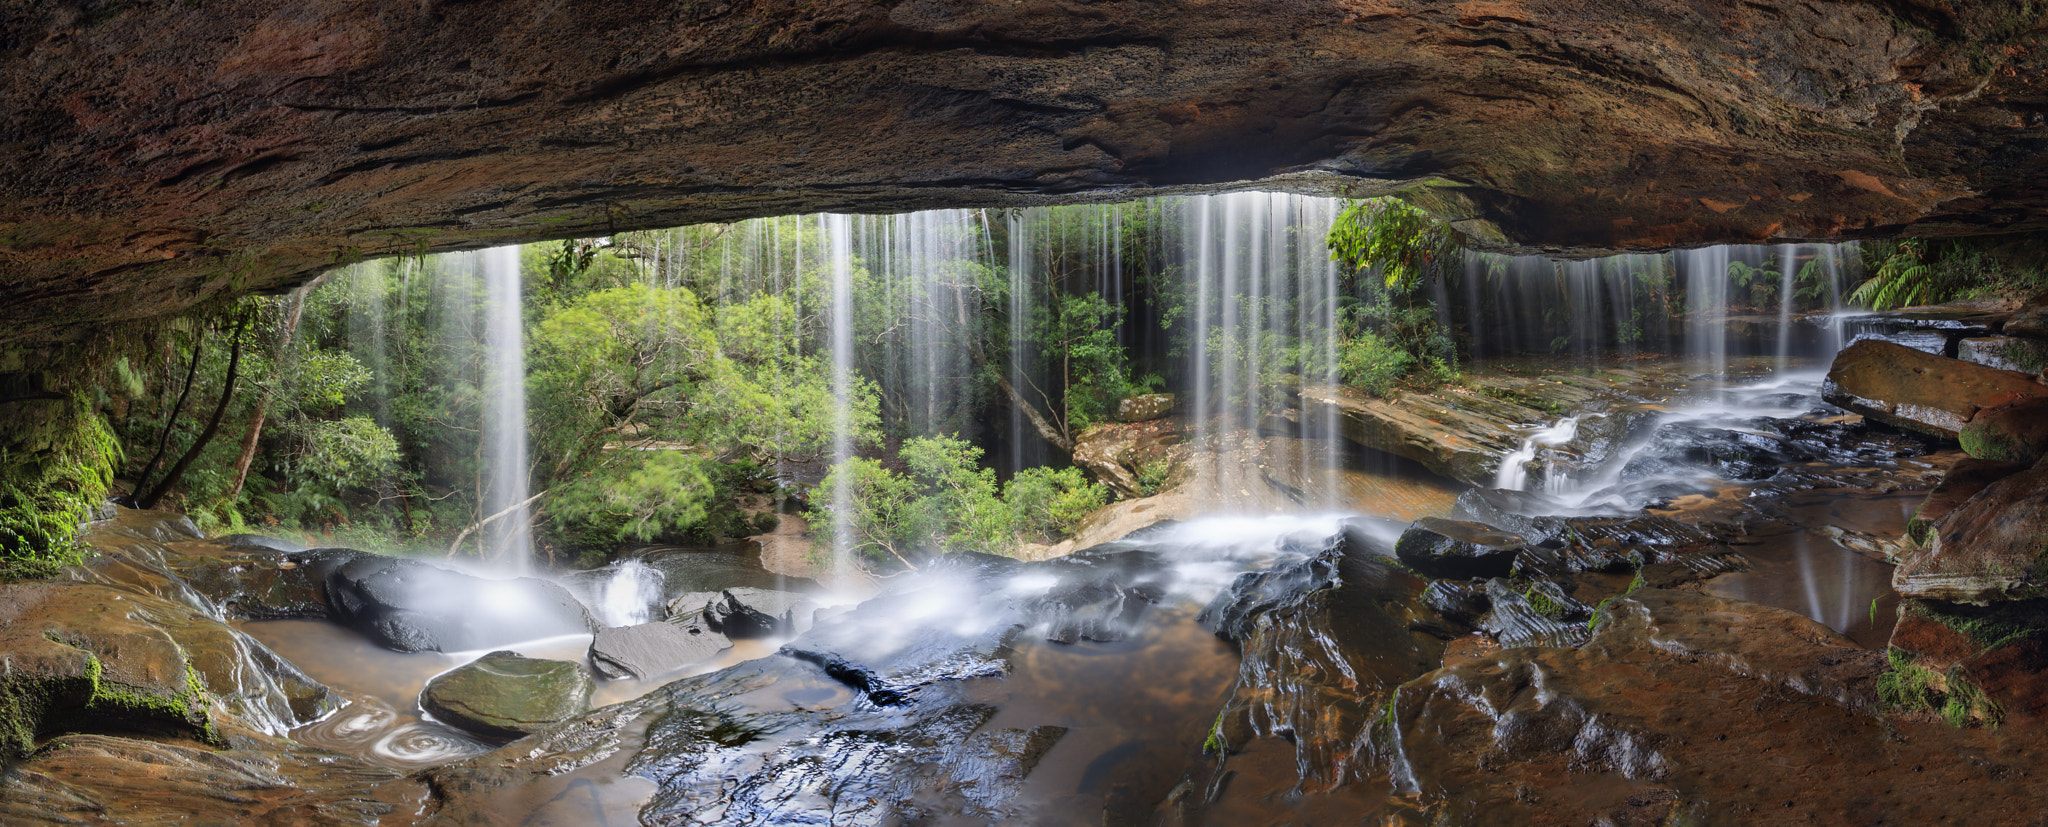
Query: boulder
x=1458, y=438
x=1992, y=547
x=268, y=585
x=1916, y=391
x=258, y=542
x=1449, y=548
x=2014, y=432
x=505, y=695
x=2006, y=353
x=1539, y=614
x=746, y=612
x=652, y=649
x=2031, y=320
x=1144, y=408
x=412, y=606
x=1963, y=480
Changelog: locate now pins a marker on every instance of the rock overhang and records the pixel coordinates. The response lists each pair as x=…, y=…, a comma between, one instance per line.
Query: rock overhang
x=161, y=159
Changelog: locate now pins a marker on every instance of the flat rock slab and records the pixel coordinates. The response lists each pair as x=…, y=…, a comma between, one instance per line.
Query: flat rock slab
x=412, y=606
x=505, y=695
x=1992, y=547
x=1917, y=391
x=746, y=612
x=1451, y=548
x=1963, y=480
x=652, y=649
x=2006, y=353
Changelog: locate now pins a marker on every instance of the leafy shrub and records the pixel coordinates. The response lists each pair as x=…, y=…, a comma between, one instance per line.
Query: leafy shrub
x=1368, y=363
x=1050, y=503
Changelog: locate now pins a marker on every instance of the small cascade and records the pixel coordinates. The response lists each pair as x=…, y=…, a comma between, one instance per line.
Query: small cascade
x=508, y=531
x=630, y=595
x=1514, y=468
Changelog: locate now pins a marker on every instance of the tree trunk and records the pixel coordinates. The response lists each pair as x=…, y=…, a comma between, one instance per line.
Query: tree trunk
x=227, y=394
x=255, y=432
x=163, y=441
x=1045, y=428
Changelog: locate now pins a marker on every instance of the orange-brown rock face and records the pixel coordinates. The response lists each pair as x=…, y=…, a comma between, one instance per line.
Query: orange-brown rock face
x=157, y=155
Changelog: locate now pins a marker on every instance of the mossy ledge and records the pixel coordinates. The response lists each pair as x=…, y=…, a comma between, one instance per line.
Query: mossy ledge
x=32, y=705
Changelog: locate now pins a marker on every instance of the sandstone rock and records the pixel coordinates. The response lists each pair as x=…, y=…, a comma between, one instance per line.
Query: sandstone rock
x=1963, y=480
x=1992, y=547
x=1448, y=548
x=1143, y=408
x=1519, y=735
x=77, y=657
x=413, y=606
x=1463, y=442
x=2006, y=353
x=652, y=649
x=505, y=695
x=1906, y=388
x=1126, y=457
x=1539, y=614
x=2014, y=432
x=2031, y=320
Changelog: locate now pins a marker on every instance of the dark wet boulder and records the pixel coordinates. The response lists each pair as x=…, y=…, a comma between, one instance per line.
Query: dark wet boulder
x=1461, y=602
x=1661, y=718
x=652, y=649
x=413, y=606
x=1931, y=394
x=505, y=695
x=1737, y=455
x=1992, y=547
x=747, y=612
x=1807, y=440
x=269, y=585
x=1449, y=548
x=1963, y=480
x=2014, y=432
x=1235, y=611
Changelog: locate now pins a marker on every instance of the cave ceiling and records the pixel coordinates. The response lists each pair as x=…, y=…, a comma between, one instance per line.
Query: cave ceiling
x=162, y=154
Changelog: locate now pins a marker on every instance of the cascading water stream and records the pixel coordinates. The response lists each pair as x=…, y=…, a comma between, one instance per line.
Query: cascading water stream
x=1514, y=468
x=509, y=533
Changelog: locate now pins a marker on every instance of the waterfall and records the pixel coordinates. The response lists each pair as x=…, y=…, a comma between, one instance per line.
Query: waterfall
x=509, y=538
x=838, y=231
x=1514, y=468
x=1788, y=267
x=1706, y=292
x=629, y=596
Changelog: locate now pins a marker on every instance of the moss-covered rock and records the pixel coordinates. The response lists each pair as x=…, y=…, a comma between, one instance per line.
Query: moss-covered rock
x=2013, y=432
x=1919, y=391
x=57, y=457
x=1993, y=547
x=505, y=695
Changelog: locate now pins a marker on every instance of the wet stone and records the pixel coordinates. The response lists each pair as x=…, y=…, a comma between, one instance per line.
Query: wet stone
x=412, y=606
x=1992, y=547
x=258, y=542
x=505, y=695
x=2014, y=432
x=2006, y=353
x=745, y=612
x=1537, y=614
x=1963, y=480
x=1908, y=389
x=652, y=649
x=1448, y=548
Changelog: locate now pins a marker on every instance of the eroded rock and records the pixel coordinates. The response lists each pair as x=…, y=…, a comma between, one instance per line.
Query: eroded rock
x=1963, y=480
x=2014, y=432
x=1992, y=547
x=2014, y=353
x=1449, y=548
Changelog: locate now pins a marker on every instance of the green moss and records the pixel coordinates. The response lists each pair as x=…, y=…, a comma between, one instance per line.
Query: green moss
x=1908, y=687
x=31, y=705
x=53, y=477
x=1543, y=604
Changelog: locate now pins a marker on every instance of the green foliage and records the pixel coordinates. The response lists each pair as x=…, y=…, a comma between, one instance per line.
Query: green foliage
x=946, y=502
x=636, y=496
x=1907, y=687
x=1153, y=475
x=54, y=478
x=1049, y=503
x=1406, y=245
x=343, y=454
x=1916, y=271
x=1370, y=364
